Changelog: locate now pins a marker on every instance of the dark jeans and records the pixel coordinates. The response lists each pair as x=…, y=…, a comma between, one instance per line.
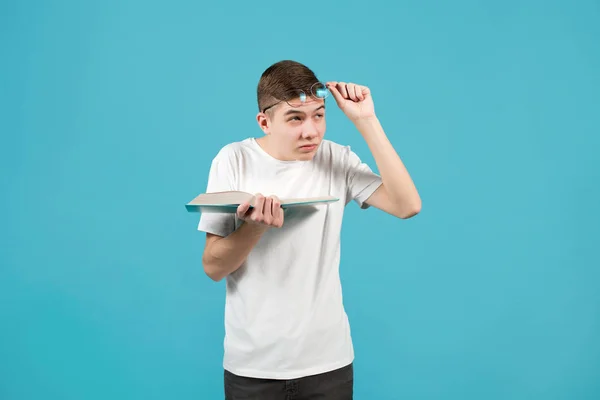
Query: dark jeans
x=333, y=385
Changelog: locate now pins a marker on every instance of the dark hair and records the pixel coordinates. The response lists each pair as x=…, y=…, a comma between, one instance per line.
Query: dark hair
x=279, y=79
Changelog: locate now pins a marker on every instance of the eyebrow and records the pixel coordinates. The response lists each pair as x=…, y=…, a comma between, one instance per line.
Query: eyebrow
x=296, y=111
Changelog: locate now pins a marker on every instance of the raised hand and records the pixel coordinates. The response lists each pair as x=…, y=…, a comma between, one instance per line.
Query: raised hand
x=266, y=213
x=354, y=100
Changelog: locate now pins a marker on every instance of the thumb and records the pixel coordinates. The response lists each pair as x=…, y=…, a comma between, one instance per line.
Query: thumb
x=243, y=209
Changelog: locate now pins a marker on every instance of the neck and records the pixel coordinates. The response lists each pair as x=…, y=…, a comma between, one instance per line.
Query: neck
x=268, y=147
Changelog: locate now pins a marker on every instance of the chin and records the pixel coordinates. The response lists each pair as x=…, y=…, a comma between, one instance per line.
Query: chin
x=305, y=156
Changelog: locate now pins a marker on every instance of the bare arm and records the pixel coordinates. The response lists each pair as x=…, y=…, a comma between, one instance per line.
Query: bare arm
x=397, y=195
x=224, y=255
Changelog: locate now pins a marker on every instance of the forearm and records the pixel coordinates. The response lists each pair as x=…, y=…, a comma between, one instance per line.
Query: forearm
x=396, y=179
x=226, y=255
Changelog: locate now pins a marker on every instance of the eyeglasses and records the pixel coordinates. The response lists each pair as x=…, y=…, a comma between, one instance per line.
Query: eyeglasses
x=298, y=97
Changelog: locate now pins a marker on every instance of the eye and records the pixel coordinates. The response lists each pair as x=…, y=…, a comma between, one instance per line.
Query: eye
x=319, y=115
x=296, y=118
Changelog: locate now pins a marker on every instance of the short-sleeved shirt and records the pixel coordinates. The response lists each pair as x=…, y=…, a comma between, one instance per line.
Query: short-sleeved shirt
x=284, y=313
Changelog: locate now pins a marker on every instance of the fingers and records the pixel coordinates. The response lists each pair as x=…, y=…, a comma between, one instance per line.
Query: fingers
x=351, y=88
x=277, y=212
x=364, y=91
x=267, y=211
x=343, y=91
x=359, y=92
x=339, y=98
x=275, y=206
x=257, y=215
x=242, y=210
x=279, y=219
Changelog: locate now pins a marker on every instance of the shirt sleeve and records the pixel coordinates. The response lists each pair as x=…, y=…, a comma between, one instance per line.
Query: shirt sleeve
x=220, y=179
x=361, y=180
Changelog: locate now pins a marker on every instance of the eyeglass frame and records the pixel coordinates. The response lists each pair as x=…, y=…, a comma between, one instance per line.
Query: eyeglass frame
x=300, y=92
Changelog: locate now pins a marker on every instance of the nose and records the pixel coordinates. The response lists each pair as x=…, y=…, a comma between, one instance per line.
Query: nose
x=310, y=130
x=309, y=133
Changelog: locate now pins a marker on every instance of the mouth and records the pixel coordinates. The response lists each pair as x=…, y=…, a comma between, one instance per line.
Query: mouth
x=308, y=147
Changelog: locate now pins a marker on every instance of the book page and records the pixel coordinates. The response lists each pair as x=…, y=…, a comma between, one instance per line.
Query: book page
x=308, y=200
x=220, y=198
x=237, y=197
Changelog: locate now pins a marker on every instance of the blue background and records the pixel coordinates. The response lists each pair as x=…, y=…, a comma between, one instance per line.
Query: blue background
x=112, y=111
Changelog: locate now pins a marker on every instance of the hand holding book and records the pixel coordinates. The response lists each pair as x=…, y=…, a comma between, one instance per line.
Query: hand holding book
x=230, y=201
x=266, y=211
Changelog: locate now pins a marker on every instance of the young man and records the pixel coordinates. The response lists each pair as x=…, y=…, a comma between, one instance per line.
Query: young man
x=287, y=333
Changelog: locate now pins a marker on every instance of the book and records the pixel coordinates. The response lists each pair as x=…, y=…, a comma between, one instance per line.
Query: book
x=228, y=202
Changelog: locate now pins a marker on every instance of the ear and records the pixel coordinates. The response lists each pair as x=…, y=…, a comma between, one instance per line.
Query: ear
x=263, y=122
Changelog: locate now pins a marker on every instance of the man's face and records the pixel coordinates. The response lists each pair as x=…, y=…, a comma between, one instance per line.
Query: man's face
x=294, y=133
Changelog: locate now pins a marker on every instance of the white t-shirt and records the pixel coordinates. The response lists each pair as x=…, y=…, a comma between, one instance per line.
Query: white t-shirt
x=284, y=315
